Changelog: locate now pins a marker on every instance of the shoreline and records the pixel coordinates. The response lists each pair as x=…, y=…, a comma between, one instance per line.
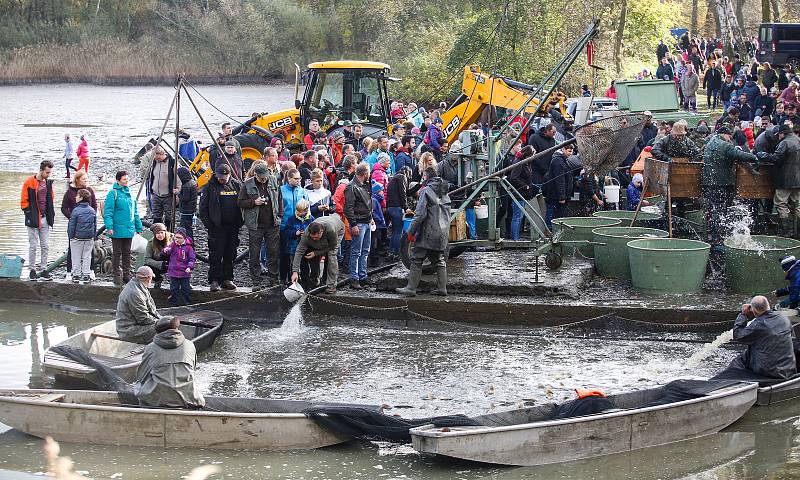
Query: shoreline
x=155, y=81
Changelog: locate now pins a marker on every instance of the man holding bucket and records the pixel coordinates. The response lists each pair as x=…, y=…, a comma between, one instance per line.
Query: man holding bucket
x=321, y=239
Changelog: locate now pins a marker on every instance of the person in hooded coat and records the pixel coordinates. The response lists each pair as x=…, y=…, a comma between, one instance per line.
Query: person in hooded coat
x=188, y=201
x=768, y=336
x=165, y=378
x=136, y=310
x=429, y=233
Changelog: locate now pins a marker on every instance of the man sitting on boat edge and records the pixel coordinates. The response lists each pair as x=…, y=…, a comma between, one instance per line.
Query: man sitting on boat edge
x=770, y=351
x=165, y=378
x=136, y=310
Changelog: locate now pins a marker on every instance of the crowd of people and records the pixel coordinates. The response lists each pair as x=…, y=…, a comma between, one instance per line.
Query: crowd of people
x=355, y=192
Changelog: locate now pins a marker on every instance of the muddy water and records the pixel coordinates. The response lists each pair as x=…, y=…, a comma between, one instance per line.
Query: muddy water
x=416, y=373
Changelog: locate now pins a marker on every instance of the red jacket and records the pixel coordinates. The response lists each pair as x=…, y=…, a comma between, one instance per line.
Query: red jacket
x=83, y=149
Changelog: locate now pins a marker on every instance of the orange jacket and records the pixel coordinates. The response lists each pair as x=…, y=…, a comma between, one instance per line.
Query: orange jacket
x=29, y=202
x=583, y=393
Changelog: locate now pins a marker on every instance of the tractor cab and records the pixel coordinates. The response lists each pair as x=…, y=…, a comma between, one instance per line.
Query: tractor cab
x=346, y=90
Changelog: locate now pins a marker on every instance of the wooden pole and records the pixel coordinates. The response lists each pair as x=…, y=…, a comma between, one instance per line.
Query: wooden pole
x=160, y=137
x=669, y=208
x=641, y=199
x=177, y=149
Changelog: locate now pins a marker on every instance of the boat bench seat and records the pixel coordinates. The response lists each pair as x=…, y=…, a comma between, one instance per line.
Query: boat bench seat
x=52, y=397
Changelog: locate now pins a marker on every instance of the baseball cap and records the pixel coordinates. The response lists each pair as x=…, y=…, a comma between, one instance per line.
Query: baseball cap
x=222, y=169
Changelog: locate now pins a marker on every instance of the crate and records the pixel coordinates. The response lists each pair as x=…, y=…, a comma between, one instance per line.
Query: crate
x=684, y=178
x=11, y=266
x=753, y=187
x=458, y=228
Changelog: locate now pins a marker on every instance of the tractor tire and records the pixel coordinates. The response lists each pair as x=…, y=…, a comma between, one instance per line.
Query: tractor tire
x=253, y=146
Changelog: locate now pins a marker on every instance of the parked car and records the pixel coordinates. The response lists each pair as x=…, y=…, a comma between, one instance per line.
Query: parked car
x=779, y=43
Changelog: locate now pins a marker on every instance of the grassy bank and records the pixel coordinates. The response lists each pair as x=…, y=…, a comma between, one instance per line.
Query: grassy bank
x=113, y=61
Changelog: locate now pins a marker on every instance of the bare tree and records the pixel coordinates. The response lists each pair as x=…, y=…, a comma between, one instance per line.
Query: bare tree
x=693, y=27
x=776, y=12
x=765, y=10
x=623, y=13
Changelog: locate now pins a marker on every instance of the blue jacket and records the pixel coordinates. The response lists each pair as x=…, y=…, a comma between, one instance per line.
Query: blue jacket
x=291, y=195
x=753, y=91
x=289, y=238
x=377, y=210
x=793, y=290
x=634, y=195
x=120, y=213
x=403, y=159
x=434, y=137
x=82, y=222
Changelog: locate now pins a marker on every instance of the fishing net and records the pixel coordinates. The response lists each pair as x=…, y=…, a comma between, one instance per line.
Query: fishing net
x=604, y=144
x=106, y=380
x=374, y=425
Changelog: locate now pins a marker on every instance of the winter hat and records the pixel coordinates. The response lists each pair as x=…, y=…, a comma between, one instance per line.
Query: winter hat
x=702, y=130
x=638, y=178
x=787, y=262
x=415, y=131
x=181, y=231
x=745, y=125
x=230, y=143
x=376, y=187
x=158, y=227
x=756, y=120
x=222, y=169
x=383, y=156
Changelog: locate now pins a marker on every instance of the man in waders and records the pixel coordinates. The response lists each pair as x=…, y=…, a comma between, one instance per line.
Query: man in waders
x=718, y=180
x=429, y=232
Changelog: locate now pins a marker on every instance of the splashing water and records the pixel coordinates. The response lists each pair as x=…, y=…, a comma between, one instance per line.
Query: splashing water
x=708, y=348
x=739, y=220
x=293, y=323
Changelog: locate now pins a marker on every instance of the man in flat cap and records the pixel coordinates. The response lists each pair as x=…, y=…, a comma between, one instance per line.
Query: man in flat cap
x=136, y=310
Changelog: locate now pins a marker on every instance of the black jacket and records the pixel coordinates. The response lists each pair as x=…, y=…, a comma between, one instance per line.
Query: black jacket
x=521, y=178
x=396, y=192
x=787, y=161
x=188, y=194
x=712, y=79
x=358, y=202
x=210, y=212
x=726, y=90
x=542, y=164
x=560, y=184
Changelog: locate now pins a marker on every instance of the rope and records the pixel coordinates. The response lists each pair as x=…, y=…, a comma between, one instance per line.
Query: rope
x=211, y=104
x=226, y=299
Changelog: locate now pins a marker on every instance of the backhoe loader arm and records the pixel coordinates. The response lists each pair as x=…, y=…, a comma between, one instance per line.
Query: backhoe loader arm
x=478, y=91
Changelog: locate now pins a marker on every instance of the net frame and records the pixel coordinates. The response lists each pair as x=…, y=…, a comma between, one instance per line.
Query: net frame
x=603, y=144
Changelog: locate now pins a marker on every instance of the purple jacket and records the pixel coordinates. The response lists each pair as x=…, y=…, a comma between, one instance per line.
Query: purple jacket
x=181, y=257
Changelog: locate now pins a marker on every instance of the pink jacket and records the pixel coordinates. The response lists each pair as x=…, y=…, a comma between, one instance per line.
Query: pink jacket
x=380, y=176
x=83, y=149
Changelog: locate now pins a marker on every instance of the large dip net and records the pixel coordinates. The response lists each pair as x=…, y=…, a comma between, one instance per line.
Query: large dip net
x=604, y=144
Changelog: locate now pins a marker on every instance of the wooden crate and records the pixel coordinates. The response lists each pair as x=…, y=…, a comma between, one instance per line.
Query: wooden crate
x=684, y=178
x=754, y=186
x=458, y=228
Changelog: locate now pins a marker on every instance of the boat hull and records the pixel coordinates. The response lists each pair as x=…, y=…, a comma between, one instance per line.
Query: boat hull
x=100, y=424
x=557, y=441
x=780, y=392
x=122, y=357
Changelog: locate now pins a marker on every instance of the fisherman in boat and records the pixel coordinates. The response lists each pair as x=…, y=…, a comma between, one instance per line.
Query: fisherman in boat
x=165, y=378
x=136, y=310
x=768, y=336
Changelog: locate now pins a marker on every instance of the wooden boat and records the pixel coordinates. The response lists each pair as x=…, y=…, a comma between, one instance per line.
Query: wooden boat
x=82, y=416
x=530, y=436
x=122, y=357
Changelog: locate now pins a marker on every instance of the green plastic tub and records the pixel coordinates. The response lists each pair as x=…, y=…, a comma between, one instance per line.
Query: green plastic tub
x=626, y=216
x=668, y=265
x=579, y=229
x=611, y=257
x=752, y=263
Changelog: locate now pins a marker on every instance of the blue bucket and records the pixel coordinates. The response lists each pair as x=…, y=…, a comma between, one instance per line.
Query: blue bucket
x=10, y=266
x=407, y=223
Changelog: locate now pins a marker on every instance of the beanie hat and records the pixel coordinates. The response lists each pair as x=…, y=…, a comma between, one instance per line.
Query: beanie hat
x=158, y=227
x=181, y=231
x=787, y=262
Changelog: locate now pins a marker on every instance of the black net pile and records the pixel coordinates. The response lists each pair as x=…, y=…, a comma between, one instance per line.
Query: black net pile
x=374, y=425
x=680, y=390
x=604, y=143
x=106, y=378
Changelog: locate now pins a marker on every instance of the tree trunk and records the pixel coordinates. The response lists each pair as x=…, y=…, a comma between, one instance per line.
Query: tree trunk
x=776, y=12
x=623, y=13
x=693, y=27
x=712, y=7
x=739, y=9
x=765, y=16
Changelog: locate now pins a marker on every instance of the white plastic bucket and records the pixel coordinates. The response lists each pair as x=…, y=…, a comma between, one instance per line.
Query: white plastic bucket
x=294, y=292
x=612, y=193
x=482, y=211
